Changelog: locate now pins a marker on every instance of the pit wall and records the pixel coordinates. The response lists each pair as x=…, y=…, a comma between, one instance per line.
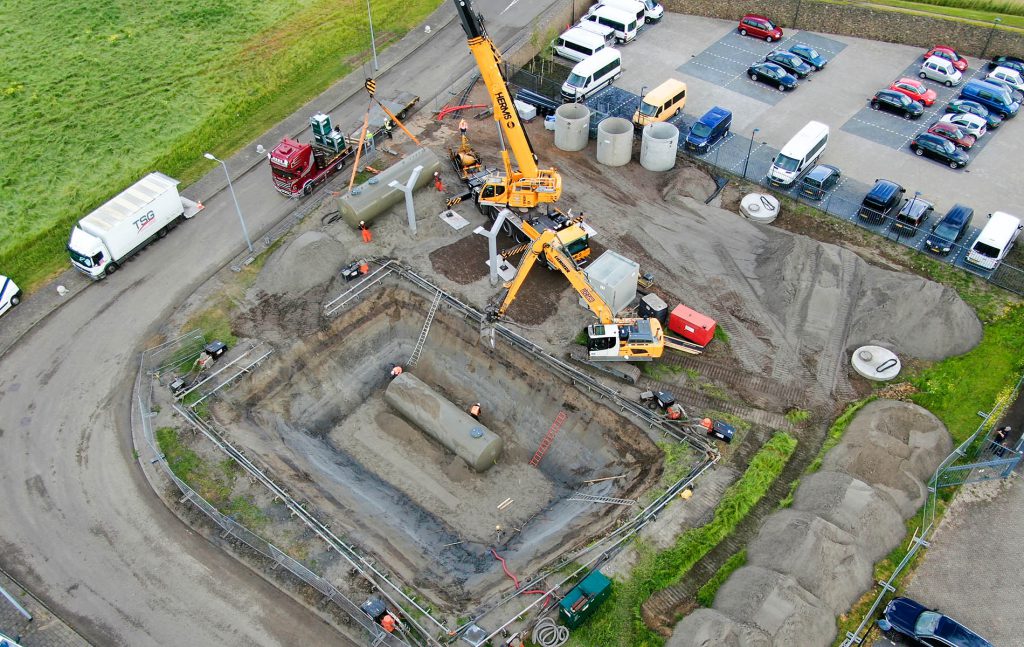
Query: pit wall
x=863, y=22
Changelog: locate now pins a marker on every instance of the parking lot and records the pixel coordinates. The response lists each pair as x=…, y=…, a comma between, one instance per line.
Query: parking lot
x=712, y=58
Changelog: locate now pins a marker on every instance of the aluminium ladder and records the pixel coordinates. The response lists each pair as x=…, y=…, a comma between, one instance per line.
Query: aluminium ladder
x=425, y=330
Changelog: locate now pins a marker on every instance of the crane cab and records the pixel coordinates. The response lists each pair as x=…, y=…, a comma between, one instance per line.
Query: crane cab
x=630, y=339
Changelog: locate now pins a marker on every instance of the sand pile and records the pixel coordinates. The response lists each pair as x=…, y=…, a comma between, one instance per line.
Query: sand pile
x=821, y=556
x=713, y=629
x=811, y=562
x=854, y=506
x=309, y=260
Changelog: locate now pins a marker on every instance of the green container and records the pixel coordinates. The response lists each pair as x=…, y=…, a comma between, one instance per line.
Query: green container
x=584, y=598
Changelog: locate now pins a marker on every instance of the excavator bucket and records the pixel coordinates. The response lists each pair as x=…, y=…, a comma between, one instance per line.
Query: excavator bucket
x=487, y=332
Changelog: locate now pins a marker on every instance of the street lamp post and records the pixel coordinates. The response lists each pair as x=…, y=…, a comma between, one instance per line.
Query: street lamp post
x=231, y=188
x=991, y=33
x=750, y=149
x=373, y=42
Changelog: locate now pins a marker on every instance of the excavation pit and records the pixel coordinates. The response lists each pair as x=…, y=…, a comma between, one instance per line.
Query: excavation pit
x=317, y=417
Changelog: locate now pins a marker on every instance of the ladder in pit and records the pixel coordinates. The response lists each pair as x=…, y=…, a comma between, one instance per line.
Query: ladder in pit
x=426, y=330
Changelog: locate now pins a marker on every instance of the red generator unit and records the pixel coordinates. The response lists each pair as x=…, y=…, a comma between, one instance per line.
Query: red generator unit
x=691, y=325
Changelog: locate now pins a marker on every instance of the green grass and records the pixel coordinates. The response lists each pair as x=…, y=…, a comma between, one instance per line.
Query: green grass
x=721, y=335
x=215, y=322
x=706, y=594
x=984, y=11
x=659, y=370
x=618, y=622
x=956, y=388
x=94, y=94
x=797, y=416
x=209, y=480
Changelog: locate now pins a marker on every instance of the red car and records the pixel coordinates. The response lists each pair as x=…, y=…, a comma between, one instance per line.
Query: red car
x=950, y=54
x=915, y=90
x=759, y=27
x=953, y=133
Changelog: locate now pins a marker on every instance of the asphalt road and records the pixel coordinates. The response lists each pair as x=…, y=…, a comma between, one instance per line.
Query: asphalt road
x=80, y=526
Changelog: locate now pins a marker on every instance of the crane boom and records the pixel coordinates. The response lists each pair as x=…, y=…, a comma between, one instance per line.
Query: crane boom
x=529, y=185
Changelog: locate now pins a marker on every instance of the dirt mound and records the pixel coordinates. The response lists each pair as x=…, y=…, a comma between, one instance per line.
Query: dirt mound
x=311, y=259
x=822, y=557
x=689, y=182
x=709, y=628
x=777, y=605
x=854, y=506
x=894, y=447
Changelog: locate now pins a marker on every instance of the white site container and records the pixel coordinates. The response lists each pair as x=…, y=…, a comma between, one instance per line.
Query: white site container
x=527, y=111
x=614, y=278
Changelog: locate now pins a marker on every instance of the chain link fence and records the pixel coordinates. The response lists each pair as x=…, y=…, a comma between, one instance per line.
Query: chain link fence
x=746, y=157
x=173, y=356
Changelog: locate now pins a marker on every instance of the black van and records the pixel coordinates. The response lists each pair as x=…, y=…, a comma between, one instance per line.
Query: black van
x=949, y=230
x=881, y=200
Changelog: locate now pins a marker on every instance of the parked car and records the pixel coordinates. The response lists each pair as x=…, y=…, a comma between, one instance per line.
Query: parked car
x=948, y=53
x=1010, y=77
x=897, y=102
x=968, y=107
x=1012, y=62
x=759, y=26
x=915, y=90
x=973, y=124
x=881, y=200
x=950, y=229
x=913, y=619
x=10, y=294
x=939, y=148
x=941, y=70
x=914, y=214
x=772, y=74
x=810, y=55
x=819, y=180
x=790, y=62
x=953, y=133
x=706, y=131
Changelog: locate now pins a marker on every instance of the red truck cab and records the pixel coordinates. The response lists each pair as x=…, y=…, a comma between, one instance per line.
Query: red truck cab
x=297, y=168
x=290, y=164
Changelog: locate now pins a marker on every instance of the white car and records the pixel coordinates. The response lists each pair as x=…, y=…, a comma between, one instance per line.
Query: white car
x=10, y=295
x=1010, y=77
x=971, y=124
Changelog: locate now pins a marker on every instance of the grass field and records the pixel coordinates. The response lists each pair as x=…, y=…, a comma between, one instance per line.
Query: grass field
x=96, y=93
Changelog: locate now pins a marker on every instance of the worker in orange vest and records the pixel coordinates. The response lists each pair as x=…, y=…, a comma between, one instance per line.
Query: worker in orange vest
x=396, y=370
x=388, y=623
x=474, y=410
x=364, y=267
x=365, y=229
x=437, y=181
x=463, y=126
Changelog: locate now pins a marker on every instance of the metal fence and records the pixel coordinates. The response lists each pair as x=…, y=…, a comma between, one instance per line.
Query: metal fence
x=746, y=157
x=977, y=458
x=170, y=357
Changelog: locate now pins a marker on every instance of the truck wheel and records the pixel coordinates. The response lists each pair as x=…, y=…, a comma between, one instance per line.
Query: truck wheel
x=162, y=233
x=15, y=300
x=340, y=165
x=111, y=268
x=307, y=188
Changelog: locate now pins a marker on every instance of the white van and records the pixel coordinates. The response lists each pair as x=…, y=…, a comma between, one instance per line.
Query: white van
x=607, y=33
x=10, y=296
x=633, y=7
x=592, y=74
x=995, y=240
x=576, y=44
x=941, y=70
x=622, y=22
x=653, y=10
x=800, y=154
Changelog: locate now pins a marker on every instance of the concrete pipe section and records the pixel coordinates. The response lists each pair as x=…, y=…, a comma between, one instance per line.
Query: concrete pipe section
x=876, y=363
x=759, y=207
x=443, y=421
x=572, y=126
x=374, y=197
x=614, y=141
x=658, y=146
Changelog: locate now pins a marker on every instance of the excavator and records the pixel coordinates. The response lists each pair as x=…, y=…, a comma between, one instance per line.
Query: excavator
x=611, y=339
x=529, y=186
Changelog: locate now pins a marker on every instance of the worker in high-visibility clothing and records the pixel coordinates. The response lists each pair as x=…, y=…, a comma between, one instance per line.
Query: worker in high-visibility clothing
x=463, y=126
x=396, y=370
x=388, y=623
x=474, y=410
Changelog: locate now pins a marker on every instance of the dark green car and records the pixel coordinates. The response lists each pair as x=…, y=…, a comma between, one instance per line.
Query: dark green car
x=820, y=180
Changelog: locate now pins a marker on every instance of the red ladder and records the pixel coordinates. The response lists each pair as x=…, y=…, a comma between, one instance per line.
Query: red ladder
x=548, y=438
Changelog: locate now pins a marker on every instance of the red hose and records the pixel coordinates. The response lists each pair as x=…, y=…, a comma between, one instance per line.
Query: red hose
x=515, y=580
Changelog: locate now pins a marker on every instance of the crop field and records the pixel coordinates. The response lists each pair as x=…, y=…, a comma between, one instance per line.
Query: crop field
x=95, y=93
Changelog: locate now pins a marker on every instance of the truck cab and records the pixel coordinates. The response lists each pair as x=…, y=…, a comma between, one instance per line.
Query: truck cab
x=88, y=253
x=291, y=165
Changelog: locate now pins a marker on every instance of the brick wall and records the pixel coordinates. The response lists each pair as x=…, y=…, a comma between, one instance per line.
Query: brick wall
x=864, y=22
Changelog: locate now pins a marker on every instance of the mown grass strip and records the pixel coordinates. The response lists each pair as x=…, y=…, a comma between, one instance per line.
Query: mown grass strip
x=618, y=623
x=1010, y=13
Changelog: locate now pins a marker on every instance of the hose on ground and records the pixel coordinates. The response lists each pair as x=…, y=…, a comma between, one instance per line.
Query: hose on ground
x=548, y=634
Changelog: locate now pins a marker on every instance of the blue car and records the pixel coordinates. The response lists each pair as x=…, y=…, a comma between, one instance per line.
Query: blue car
x=928, y=627
x=809, y=55
x=772, y=74
x=711, y=127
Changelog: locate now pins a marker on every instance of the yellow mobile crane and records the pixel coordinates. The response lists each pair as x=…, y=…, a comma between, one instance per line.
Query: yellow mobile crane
x=611, y=339
x=530, y=185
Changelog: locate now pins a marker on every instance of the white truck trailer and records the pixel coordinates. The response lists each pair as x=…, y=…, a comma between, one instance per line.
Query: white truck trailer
x=102, y=241
x=10, y=296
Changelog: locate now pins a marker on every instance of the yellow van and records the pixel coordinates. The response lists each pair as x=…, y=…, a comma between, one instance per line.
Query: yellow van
x=661, y=103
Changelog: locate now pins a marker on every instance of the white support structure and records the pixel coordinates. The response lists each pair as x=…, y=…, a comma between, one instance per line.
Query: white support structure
x=407, y=189
x=492, y=243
